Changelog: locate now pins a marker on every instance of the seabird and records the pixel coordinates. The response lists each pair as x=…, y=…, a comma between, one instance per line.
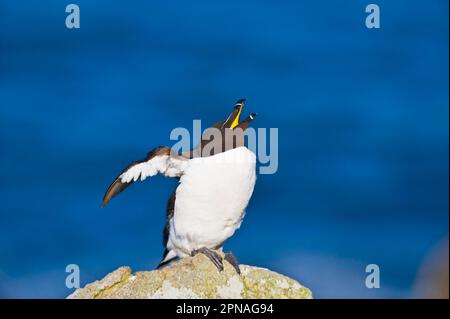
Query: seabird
x=214, y=189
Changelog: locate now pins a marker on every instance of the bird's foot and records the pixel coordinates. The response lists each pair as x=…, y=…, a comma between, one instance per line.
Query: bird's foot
x=212, y=255
x=233, y=262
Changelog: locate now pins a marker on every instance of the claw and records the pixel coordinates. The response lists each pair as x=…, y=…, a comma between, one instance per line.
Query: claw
x=233, y=261
x=215, y=258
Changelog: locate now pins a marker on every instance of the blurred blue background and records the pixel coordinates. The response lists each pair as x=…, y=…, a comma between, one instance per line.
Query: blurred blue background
x=363, y=134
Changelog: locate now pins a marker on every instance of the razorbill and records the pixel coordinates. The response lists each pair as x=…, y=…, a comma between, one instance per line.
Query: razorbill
x=215, y=186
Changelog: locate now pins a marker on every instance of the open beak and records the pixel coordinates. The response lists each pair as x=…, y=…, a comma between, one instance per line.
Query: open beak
x=233, y=119
x=249, y=118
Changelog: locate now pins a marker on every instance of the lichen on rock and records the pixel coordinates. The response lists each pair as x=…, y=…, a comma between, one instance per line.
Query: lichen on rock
x=194, y=277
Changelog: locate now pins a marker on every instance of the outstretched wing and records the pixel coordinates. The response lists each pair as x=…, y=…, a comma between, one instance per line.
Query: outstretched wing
x=157, y=161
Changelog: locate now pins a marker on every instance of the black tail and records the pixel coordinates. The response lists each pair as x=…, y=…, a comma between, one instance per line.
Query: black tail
x=163, y=261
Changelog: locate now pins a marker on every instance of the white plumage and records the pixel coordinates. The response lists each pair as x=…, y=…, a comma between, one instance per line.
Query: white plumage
x=211, y=200
x=166, y=165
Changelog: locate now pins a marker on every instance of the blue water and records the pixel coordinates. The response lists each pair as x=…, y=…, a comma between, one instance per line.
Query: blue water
x=362, y=118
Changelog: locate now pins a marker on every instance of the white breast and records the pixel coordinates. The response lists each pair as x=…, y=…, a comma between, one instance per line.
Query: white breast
x=211, y=199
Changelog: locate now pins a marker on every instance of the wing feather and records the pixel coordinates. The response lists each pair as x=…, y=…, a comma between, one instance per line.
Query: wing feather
x=159, y=160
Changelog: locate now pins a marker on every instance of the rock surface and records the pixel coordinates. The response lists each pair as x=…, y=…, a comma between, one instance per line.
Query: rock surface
x=194, y=277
